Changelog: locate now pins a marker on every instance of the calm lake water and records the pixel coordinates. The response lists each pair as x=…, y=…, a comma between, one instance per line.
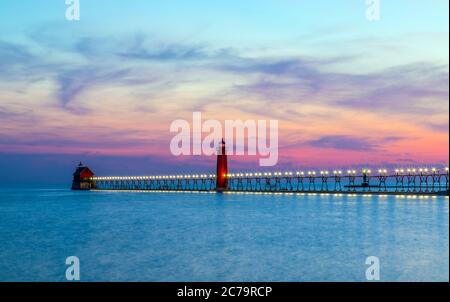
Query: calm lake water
x=213, y=237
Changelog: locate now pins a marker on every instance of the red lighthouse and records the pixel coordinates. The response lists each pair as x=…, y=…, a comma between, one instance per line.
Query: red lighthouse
x=222, y=168
x=82, y=178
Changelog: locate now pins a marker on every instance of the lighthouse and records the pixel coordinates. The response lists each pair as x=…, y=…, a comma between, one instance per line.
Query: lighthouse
x=222, y=168
x=82, y=178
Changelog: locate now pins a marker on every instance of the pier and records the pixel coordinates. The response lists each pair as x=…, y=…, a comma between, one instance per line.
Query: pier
x=401, y=181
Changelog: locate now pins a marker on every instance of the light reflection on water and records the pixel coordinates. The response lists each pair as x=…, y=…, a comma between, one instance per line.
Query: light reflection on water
x=213, y=237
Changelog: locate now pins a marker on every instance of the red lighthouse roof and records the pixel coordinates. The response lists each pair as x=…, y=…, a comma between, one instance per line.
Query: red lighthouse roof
x=83, y=172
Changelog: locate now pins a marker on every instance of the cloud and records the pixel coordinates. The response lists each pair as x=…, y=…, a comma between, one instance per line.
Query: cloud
x=413, y=89
x=343, y=142
x=181, y=77
x=73, y=82
x=439, y=127
x=166, y=53
x=127, y=60
x=12, y=54
x=350, y=143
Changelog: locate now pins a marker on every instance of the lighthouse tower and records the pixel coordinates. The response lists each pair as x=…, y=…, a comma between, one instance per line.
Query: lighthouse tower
x=222, y=168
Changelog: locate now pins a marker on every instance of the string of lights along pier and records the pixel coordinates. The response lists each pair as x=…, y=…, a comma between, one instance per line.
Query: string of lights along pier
x=401, y=181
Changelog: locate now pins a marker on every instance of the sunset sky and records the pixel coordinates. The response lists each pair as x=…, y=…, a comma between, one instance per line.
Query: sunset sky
x=105, y=89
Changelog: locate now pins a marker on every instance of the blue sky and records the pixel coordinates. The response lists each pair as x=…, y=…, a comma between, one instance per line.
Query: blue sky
x=347, y=91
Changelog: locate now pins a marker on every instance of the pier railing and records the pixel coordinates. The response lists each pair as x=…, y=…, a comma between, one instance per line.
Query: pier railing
x=400, y=181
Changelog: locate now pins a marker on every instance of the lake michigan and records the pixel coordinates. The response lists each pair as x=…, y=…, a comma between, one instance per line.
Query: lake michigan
x=124, y=236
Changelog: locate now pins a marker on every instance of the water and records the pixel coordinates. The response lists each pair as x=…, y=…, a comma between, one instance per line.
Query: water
x=212, y=237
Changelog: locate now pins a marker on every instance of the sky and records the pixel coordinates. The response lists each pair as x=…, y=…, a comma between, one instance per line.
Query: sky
x=347, y=92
